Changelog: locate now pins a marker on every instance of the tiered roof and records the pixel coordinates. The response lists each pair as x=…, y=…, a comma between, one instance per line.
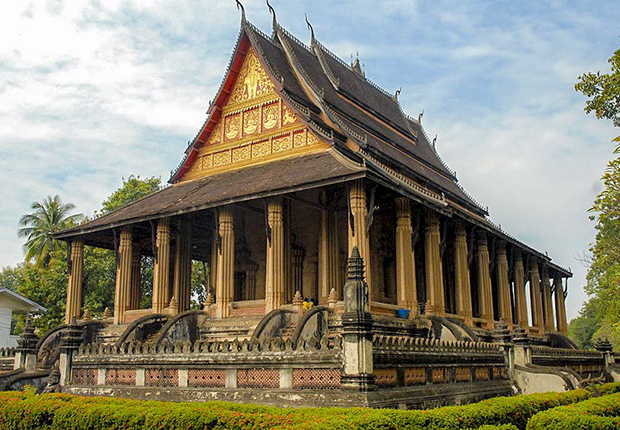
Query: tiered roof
x=365, y=126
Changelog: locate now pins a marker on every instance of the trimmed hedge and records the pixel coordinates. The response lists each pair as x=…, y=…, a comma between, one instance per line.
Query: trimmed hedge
x=26, y=411
x=598, y=413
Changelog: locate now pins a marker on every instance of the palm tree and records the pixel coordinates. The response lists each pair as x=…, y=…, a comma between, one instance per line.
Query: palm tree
x=49, y=216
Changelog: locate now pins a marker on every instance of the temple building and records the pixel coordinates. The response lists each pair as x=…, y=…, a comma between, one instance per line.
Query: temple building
x=307, y=181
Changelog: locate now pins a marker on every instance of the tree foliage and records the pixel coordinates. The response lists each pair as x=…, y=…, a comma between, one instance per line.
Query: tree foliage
x=600, y=316
x=133, y=189
x=49, y=217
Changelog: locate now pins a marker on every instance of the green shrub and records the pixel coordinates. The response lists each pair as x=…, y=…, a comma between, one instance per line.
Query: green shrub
x=26, y=411
x=598, y=413
x=610, y=388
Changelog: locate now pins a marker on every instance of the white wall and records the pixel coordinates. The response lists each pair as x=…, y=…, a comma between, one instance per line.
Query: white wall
x=5, y=327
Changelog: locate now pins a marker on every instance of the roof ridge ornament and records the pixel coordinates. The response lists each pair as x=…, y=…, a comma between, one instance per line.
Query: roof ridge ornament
x=397, y=93
x=312, y=38
x=240, y=6
x=420, y=117
x=274, y=20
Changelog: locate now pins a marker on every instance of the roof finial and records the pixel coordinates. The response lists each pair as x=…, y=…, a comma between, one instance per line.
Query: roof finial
x=398, y=92
x=240, y=6
x=420, y=116
x=435, y=140
x=312, y=39
x=274, y=21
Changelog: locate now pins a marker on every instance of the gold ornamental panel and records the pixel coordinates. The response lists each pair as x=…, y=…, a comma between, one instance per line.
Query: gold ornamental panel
x=288, y=116
x=251, y=122
x=271, y=114
x=282, y=143
x=261, y=149
x=232, y=126
x=252, y=81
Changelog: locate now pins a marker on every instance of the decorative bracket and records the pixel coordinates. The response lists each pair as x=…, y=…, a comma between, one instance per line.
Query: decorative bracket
x=370, y=216
x=69, y=261
x=153, y=239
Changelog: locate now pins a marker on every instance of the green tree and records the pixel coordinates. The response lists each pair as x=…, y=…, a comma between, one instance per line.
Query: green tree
x=603, y=89
x=601, y=314
x=49, y=217
x=133, y=189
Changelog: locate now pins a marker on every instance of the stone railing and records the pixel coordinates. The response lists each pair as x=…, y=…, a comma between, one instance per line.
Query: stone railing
x=580, y=361
x=405, y=361
x=7, y=359
x=312, y=364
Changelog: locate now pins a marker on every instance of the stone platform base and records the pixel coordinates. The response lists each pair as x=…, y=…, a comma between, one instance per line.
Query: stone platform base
x=422, y=397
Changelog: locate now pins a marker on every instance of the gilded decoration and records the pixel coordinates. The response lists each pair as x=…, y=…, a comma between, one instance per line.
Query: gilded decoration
x=252, y=81
x=271, y=112
x=255, y=126
x=282, y=143
x=288, y=117
x=251, y=121
x=232, y=127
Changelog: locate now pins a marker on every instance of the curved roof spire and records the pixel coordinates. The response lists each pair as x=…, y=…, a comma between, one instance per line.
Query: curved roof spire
x=274, y=20
x=312, y=39
x=240, y=6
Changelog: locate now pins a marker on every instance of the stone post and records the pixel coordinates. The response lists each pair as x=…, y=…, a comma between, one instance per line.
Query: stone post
x=536, y=296
x=70, y=341
x=357, y=370
x=123, y=276
x=501, y=335
x=604, y=347
x=358, y=234
x=406, y=290
x=225, y=285
x=463, y=282
x=26, y=351
x=519, y=280
x=136, y=277
x=547, y=300
x=274, y=282
x=485, y=294
x=503, y=283
x=560, y=306
x=76, y=279
x=522, y=355
x=161, y=271
x=435, y=302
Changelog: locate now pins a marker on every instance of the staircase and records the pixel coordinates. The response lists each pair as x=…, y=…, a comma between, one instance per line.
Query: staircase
x=111, y=333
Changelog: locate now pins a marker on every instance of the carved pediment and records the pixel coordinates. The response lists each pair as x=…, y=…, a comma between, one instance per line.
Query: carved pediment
x=255, y=126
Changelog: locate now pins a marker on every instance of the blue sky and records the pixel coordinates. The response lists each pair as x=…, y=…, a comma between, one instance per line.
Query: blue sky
x=94, y=91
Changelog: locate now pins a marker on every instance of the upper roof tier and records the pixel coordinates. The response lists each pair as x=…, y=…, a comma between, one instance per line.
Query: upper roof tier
x=287, y=108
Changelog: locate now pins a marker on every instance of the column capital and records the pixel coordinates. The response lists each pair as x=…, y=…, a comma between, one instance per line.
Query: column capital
x=403, y=207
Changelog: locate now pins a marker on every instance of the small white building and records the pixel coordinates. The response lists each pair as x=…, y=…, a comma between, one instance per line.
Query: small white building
x=11, y=301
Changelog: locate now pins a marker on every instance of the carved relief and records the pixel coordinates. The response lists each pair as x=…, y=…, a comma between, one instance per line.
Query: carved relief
x=221, y=158
x=288, y=117
x=232, y=126
x=282, y=143
x=261, y=149
x=216, y=134
x=241, y=154
x=252, y=80
x=250, y=121
x=270, y=116
x=299, y=139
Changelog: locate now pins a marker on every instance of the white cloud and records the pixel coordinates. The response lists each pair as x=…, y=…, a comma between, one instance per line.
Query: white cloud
x=93, y=91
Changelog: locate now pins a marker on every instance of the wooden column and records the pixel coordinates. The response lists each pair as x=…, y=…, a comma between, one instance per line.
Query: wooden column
x=136, y=277
x=519, y=281
x=463, y=282
x=485, y=294
x=560, y=306
x=536, y=296
x=123, y=276
x=76, y=279
x=435, y=302
x=225, y=285
x=274, y=282
x=183, y=267
x=503, y=284
x=547, y=301
x=406, y=291
x=358, y=234
x=161, y=270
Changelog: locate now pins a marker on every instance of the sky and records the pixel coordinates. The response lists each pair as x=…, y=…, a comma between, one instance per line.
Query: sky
x=93, y=91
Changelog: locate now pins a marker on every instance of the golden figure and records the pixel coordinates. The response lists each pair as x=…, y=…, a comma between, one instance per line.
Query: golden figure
x=270, y=116
x=250, y=121
x=232, y=126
